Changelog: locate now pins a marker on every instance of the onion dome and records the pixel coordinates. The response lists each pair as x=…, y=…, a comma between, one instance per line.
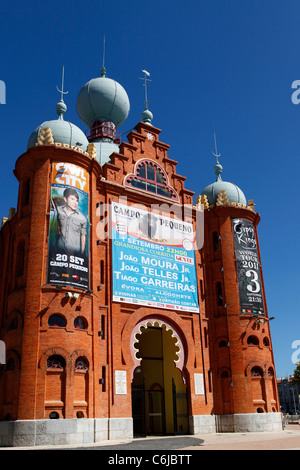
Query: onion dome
x=147, y=116
x=233, y=192
x=103, y=99
x=63, y=132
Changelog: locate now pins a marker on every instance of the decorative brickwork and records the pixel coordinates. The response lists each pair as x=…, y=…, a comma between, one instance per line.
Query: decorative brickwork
x=84, y=366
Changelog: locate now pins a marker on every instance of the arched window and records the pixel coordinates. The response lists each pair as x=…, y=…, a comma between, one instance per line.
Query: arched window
x=80, y=323
x=20, y=258
x=56, y=362
x=26, y=192
x=10, y=364
x=81, y=363
x=215, y=237
x=57, y=320
x=225, y=375
x=252, y=341
x=149, y=176
x=14, y=323
x=219, y=292
x=223, y=343
x=266, y=341
x=256, y=372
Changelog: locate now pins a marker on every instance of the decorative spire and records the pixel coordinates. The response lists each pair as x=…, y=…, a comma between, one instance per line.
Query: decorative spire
x=103, y=70
x=147, y=116
x=61, y=107
x=218, y=167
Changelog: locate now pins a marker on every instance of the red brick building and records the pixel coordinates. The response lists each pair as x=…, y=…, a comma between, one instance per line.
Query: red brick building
x=138, y=329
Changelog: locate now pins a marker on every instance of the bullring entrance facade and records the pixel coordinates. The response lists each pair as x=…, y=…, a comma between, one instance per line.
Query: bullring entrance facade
x=128, y=308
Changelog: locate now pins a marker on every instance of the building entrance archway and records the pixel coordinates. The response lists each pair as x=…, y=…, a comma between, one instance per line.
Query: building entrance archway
x=159, y=393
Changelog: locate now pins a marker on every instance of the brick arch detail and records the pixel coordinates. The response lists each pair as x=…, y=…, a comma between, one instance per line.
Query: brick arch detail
x=13, y=354
x=173, y=322
x=50, y=352
x=252, y=364
x=161, y=323
x=81, y=353
x=14, y=313
x=224, y=369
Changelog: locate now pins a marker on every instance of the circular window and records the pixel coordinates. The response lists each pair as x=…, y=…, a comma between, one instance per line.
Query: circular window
x=54, y=415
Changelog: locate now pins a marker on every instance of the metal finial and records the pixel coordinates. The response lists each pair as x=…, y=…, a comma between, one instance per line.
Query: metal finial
x=103, y=70
x=218, y=167
x=217, y=155
x=62, y=92
x=146, y=74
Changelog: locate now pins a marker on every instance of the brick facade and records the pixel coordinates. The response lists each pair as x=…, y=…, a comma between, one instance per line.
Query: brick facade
x=214, y=343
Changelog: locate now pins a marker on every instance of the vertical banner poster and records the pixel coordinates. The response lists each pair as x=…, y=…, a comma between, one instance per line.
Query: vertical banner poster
x=153, y=260
x=68, y=243
x=248, y=267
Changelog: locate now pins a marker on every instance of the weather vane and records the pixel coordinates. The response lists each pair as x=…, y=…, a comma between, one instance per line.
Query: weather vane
x=217, y=155
x=103, y=70
x=146, y=74
x=62, y=85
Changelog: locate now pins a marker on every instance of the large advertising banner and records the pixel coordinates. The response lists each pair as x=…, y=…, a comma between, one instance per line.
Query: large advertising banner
x=248, y=267
x=68, y=243
x=153, y=260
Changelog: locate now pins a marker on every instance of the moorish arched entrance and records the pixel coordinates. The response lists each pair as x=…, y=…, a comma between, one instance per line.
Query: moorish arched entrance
x=159, y=391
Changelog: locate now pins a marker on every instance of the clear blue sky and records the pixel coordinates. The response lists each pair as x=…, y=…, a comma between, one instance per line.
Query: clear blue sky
x=216, y=65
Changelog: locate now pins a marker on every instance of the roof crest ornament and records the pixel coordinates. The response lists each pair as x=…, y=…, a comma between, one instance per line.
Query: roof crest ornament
x=146, y=74
x=103, y=70
x=61, y=107
x=218, y=167
x=147, y=116
x=217, y=155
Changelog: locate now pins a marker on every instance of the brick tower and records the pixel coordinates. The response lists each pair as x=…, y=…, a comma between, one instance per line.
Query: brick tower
x=117, y=321
x=242, y=360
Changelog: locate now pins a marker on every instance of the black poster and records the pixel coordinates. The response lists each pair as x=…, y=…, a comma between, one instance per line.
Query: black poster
x=248, y=267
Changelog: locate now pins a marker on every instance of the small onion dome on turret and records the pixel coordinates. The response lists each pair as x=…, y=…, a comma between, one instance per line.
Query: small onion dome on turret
x=63, y=132
x=147, y=116
x=233, y=192
x=103, y=99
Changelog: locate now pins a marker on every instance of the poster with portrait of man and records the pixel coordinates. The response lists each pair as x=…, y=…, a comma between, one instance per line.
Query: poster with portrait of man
x=68, y=243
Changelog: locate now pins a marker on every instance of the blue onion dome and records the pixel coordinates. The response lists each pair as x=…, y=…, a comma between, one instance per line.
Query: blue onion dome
x=103, y=99
x=147, y=116
x=63, y=132
x=233, y=192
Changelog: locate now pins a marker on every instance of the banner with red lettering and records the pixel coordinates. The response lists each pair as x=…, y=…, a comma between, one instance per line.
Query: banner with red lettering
x=68, y=243
x=153, y=260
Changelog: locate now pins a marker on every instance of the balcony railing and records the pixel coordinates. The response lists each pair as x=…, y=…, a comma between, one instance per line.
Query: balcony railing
x=104, y=130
